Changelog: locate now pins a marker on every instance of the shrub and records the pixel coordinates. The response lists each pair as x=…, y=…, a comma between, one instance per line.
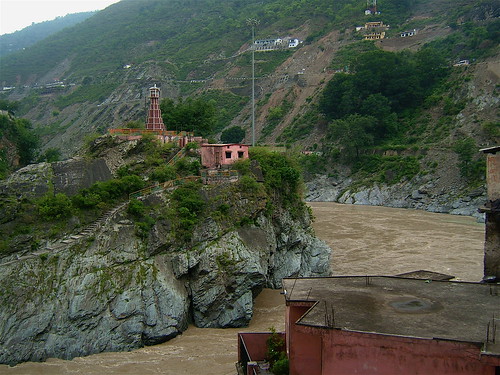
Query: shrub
x=248, y=185
x=135, y=208
x=108, y=191
x=184, y=167
x=187, y=204
x=281, y=366
x=492, y=128
x=276, y=354
x=465, y=149
x=163, y=173
x=55, y=207
x=142, y=228
x=242, y=166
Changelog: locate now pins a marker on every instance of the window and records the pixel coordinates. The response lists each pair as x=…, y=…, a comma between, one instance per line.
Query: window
x=241, y=154
x=228, y=154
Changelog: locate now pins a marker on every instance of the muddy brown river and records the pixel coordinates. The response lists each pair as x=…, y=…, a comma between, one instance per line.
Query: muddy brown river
x=364, y=239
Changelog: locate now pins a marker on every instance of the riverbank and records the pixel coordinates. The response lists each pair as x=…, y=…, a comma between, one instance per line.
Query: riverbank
x=364, y=239
x=421, y=193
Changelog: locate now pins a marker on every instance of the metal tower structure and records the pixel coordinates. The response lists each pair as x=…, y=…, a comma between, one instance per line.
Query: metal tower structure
x=154, y=121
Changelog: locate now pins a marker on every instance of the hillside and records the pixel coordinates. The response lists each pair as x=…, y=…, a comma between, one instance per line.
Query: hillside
x=86, y=269
x=38, y=31
x=200, y=49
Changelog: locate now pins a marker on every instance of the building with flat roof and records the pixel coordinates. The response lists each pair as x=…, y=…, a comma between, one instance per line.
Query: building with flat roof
x=218, y=155
x=391, y=325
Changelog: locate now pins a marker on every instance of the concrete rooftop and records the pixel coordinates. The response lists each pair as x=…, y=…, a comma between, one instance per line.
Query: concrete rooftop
x=447, y=310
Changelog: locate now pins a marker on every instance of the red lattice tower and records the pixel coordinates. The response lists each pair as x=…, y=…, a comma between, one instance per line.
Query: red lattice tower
x=154, y=122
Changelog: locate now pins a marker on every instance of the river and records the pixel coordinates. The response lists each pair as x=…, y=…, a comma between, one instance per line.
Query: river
x=364, y=239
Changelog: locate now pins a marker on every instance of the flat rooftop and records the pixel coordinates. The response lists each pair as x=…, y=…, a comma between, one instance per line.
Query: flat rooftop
x=448, y=310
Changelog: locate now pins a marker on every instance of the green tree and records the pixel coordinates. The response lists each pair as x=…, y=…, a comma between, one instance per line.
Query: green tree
x=340, y=97
x=9, y=106
x=191, y=114
x=20, y=132
x=353, y=133
x=379, y=107
x=50, y=155
x=469, y=169
x=135, y=125
x=26, y=140
x=234, y=134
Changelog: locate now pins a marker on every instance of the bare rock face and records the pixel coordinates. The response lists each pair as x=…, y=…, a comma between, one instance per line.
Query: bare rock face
x=115, y=291
x=99, y=294
x=67, y=177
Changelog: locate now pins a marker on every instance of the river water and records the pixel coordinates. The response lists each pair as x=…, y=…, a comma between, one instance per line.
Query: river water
x=364, y=239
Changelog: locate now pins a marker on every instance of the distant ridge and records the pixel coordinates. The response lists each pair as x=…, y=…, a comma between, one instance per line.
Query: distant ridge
x=38, y=31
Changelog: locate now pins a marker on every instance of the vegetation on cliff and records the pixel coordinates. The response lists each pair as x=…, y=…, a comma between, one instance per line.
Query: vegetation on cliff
x=374, y=111
x=37, y=218
x=16, y=139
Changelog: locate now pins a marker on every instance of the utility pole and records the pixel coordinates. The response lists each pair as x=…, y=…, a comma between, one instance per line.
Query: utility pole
x=253, y=22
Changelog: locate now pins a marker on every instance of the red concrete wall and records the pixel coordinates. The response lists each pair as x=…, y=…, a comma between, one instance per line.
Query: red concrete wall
x=304, y=348
x=256, y=345
x=345, y=353
x=214, y=156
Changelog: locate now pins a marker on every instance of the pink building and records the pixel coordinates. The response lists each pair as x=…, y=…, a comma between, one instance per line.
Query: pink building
x=154, y=121
x=391, y=325
x=218, y=155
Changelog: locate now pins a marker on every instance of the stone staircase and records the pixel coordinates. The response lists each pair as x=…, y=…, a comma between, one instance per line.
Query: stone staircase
x=94, y=226
x=67, y=241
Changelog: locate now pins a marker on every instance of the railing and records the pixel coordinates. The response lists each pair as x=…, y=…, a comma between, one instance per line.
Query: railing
x=128, y=131
x=218, y=176
x=163, y=186
x=177, y=156
x=219, y=173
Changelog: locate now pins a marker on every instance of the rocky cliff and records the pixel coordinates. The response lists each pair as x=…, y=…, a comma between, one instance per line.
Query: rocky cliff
x=422, y=192
x=115, y=290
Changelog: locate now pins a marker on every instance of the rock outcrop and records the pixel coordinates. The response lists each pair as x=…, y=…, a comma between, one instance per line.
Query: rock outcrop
x=419, y=193
x=115, y=291
x=67, y=177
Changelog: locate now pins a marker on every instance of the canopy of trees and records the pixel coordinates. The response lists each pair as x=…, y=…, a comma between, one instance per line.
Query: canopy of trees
x=364, y=105
x=383, y=82
x=186, y=33
x=234, y=134
x=19, y=132
x=196, y=115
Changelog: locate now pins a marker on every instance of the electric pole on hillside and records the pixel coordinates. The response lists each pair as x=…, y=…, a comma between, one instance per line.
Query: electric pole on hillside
x=253, y=22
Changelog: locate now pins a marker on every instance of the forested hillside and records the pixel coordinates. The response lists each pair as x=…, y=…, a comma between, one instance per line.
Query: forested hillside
x=182, y=34
x=379, y=111
x=38, y=31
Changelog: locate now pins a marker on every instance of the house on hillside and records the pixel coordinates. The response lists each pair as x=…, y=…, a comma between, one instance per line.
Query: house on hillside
x=219, y=155
x=373, y=30
x=277, y=43
x=374, y=36
x=267, y=44
x=370, y=25
x=405, y=34
x=292, y=43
